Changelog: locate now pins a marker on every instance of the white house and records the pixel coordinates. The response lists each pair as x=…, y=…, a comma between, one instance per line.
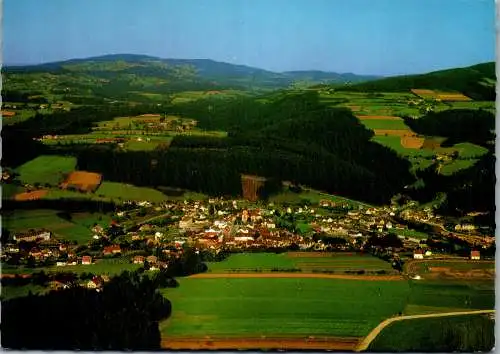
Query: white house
x=418, y=254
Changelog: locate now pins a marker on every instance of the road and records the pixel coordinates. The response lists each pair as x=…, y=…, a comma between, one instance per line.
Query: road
x=365, y=343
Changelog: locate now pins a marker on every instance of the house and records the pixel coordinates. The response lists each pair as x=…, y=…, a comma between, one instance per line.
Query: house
x=33, y=235
x=475, y=255
x=114, y=249
x=35, y=252
x=152, y=259
x=418, y=254
x=86, y=260
x=96, y=283
x=138, y=260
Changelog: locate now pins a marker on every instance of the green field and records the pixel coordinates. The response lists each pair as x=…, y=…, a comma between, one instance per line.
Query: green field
x=46, y=169
x=334, y=262
x=122, y=191
x=446, y=334
x=411, y=233
x=450, y=295
x=280, y=307
x=10, y=291
x=424, y=267
x=314, y=197
x=384, y=124
x=78, y=229
x=457, y=165
x=230, y=307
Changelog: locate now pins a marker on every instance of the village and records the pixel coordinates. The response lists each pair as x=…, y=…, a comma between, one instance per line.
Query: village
x=154, y=235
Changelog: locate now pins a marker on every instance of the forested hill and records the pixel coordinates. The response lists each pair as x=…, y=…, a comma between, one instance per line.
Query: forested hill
x=205, y=73
x=477, y=82
x=293, y=138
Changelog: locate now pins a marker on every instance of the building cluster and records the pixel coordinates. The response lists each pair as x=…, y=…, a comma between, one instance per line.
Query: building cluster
x=154, y=235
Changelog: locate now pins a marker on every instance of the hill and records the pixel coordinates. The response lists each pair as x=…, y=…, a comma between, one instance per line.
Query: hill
x=477, y=82
x=177, y=74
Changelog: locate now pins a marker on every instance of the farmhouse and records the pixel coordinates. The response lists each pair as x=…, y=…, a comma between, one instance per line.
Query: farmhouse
x=33, y=235
x=475, y=255
x=86, y=260
x=114, y=249
x=138, y=260
x=418, y=254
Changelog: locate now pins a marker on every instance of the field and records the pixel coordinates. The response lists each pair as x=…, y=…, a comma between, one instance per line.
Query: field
x=384, y=124
x=456, y=165
x=34, y=195
x=82, y=180
x=446, y=334
x=78, y=229
x=314, y=197
x=122, y=191
x=452, y=269
x=305, y=261
x=280, y=307
x=46, y=169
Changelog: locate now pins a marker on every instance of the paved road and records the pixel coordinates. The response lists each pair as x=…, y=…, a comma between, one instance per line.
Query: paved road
x=365, y=343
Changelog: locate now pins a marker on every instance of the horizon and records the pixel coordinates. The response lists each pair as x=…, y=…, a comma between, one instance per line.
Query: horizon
x=209, y=59
x=397, y=37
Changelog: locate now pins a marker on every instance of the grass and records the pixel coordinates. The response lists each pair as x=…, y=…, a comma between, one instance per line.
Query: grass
x=46, y=169
x=411, y=233
x=384, y=124
x=469, y=151
x=423, y=267
x=280, y=307
x=10, y=190
x=460, y=333
x=474, y=295
x=122, y=191
x=457, y=165
x=312, y=196
x=78, y=229
x=10, y=292
x=105, y=266
x=338, y=262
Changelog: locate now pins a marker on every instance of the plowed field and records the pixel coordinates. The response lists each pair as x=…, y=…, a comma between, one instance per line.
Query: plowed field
x=338, y=343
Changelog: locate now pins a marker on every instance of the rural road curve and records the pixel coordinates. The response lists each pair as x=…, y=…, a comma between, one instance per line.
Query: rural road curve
x=365, y=343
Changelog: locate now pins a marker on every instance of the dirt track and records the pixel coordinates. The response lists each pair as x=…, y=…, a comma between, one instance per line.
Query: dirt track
x=332, y=343
x=297, y=275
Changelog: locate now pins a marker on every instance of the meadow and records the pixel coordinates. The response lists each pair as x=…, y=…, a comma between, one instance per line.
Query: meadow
x=280, y=307
x=314, y=197
x=468, y=333
x=78, y=229
x=46, y=169
x=122, y=191
x=303, y=261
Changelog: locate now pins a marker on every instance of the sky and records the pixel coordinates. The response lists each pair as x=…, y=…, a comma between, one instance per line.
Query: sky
x=378, y=37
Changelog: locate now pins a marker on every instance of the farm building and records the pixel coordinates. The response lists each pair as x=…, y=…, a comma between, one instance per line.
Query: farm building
x=418, y=254
x=86, y=260
x=138, y=260
x=33, y=235
x=475, y=255
x=114, y=249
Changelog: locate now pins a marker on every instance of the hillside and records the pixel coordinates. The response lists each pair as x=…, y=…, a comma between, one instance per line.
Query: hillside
x=129, y=72
x=477, y=81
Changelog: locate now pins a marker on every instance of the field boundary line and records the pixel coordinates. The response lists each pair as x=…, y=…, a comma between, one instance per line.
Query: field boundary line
x=365, y=343
x=302, y=275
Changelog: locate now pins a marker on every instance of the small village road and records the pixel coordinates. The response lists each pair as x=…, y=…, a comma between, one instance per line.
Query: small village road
x=365, y=343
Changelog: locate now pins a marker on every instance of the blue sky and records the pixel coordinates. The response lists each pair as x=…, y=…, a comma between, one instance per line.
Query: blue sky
x=384, y=37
